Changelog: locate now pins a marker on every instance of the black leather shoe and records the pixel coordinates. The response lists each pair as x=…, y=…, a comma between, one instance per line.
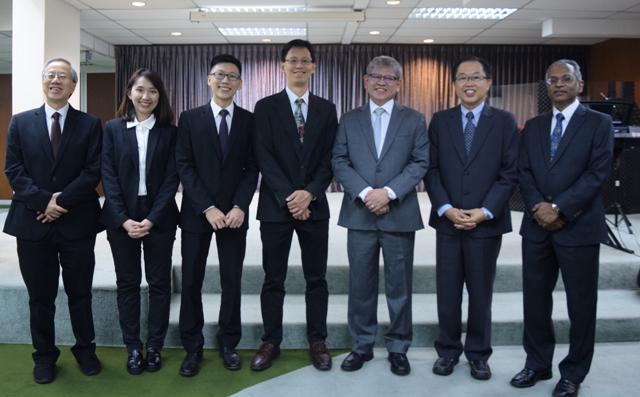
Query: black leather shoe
x=90, y=365
x=566, y=388
x=480, y=369
x=153, y=362
x=44, y=373
x=191, y=363
x=399, y=364
x=528, y=377
x=444, y=366
x=134, y=362
x=230, y=358
x=354, y=361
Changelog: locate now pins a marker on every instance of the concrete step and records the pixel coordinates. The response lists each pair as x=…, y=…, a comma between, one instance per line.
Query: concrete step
x=613, y=275
x=618, y=319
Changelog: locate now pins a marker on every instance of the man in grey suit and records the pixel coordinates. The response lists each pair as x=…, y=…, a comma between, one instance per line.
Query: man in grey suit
x=379, y=156
x=472, y=172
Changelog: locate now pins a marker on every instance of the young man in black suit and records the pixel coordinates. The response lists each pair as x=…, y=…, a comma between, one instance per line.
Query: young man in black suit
x=293, y=136
x=53, y=167
x=214, y=157
x=472, y=173
x=565, y=157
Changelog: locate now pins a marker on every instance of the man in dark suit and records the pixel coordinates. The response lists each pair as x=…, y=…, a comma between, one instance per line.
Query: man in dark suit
x=564, y=159
x=293, y=135
x=214, y=157
x=53, y=167
x=472, y=173
x=380, y=154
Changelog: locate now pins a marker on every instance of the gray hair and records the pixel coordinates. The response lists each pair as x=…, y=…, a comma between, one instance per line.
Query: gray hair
x=74, y=74
x=384, y=61
x=566, y=62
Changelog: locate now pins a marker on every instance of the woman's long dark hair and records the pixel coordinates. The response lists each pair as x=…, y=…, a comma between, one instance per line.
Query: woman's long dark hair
x=163, y=111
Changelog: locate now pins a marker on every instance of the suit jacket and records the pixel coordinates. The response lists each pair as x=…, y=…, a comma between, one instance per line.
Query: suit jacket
x=121, y=175
x=34, y=175
x=403, y=161
x=573, y=181
x=484, y=178
x=287, y=166
x=210, y=177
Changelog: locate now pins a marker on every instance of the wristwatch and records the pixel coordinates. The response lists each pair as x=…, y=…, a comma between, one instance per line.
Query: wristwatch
x=555, y=208
x=486, y=215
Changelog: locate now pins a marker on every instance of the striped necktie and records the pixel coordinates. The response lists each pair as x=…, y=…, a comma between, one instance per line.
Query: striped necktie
x=556, y=135
x=469, y=131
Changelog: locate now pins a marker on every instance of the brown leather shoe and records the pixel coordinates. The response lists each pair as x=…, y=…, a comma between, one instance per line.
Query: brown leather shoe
x=320, y=356
x=267, y=352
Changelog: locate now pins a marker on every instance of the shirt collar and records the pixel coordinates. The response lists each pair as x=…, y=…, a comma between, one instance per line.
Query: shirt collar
x=148, y=123
x=568, y=111
x=49, y=111
x=293, y=97
x=215, y=108
x=477, y=111
x=388, y=107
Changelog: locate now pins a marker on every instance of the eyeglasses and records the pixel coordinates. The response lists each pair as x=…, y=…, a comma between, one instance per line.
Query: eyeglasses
x=388, y=78
x=294, y=62
x=52, y=76
x=473, y=79
x=567, y=78
x=221, y=76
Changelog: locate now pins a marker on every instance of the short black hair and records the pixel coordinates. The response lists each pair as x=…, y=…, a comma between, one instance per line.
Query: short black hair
x=297, y=43
x=485, y=66
x=225, y=58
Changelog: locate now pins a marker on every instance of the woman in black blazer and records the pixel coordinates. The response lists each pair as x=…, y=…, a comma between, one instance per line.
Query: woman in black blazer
x=140, y=182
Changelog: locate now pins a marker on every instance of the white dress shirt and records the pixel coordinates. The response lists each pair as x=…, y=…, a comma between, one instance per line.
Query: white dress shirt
x=567, y=113
x=292, y=100
x=218, y=117
x=49, y=111
x=142, y=136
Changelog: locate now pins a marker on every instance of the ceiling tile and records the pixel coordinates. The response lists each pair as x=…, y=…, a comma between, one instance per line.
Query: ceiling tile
x=174, y=24
x=383, y=32
x=186, y=40
x=437, y=32
x=100, y=33
x=325, y=39
x=261, y=25
x=137, y=15
x=93, y=25
x=126, y=4
x=586, y=5
x=322, y=25
x=505, y=40
x=382, y=23
x=383, y=3
x=448, y=23
x=541, y=15
x=185, y=32
x=258, y=39
x=438, y=40
x=369, y=39
x=626, y=15
x=92, y=15
x=515, y=24
x=125, y=40
x=512, y=33
x=381, y=13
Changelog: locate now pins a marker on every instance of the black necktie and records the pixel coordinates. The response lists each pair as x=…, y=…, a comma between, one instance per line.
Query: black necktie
x=56, y=133
x=223, y=134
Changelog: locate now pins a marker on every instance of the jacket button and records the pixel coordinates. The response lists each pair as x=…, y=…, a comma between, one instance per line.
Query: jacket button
x=466, y=192
x=55, y=179
x=302, y=167
x=549, y=197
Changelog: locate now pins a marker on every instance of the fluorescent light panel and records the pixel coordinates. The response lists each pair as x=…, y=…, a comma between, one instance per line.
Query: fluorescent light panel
x=253, y=9
x=263, y=31
x=461, y=13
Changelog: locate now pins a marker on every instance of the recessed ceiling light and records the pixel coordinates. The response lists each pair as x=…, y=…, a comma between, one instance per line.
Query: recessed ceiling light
x=176, y=33
x=263, y=31
x=266, y=40
x=393, y=2
x=138, y=4
x=461, y=13
x=374, y=32
x=428, y=40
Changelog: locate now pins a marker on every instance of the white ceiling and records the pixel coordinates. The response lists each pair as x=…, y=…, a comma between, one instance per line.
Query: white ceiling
x=118, y=22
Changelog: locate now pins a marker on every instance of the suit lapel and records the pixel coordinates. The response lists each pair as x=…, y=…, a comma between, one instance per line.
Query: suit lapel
x=152, y=143
x=397, y=115
x=311, y=133
x=572, y=129
x=367, y=128
x=482, y=131
x=456, y=133
x=131, y=139
x=283, y=107
x=545, y=138
x=237, y=128
x=42, y=132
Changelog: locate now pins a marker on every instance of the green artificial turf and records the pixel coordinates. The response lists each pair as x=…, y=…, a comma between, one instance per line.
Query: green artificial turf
x=16, y=374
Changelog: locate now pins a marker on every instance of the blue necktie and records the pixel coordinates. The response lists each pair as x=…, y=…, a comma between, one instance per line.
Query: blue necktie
x=556, y=134
x=223, y=134
x=469, y=131
x=300, y=118
x=377, y=128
